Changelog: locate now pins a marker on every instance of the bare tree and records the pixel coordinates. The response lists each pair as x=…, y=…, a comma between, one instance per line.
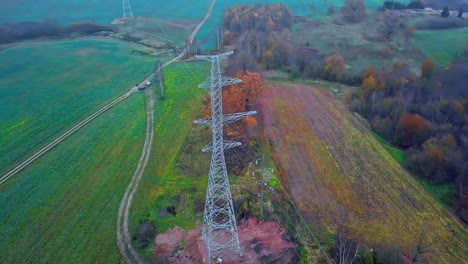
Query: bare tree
x=346, y=250
x=389, y=25
x=421, y=249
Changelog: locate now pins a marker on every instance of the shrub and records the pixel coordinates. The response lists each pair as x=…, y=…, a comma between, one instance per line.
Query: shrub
x=460, y=13
x=354, y=10
x=146, y=233
x=445, y=12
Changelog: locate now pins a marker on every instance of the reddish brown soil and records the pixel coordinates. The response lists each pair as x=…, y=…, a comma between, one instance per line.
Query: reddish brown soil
x=262, y=242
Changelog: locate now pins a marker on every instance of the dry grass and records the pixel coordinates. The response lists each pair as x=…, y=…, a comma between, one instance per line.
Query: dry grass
x=341, y=175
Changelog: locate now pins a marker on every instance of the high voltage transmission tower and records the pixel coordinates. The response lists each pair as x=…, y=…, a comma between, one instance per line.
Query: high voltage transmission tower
x=127, y=9
x=219, y=221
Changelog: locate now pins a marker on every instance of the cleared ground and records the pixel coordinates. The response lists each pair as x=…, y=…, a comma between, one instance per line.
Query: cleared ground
x=339, y=174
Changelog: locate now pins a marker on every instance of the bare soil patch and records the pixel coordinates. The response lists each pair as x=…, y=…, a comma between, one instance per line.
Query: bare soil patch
x=262, y=242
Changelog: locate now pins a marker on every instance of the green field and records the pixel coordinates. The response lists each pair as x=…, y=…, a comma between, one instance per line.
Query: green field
x=163, y=183
x=47, y=87
x=63, y=207
x=442, y=46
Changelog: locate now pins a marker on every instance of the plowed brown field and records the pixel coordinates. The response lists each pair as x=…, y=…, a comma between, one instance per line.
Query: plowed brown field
x=339, y=174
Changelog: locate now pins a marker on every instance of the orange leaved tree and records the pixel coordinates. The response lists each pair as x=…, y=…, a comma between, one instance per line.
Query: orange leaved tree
x=413, y=129
x=335, y=66
x=427, y=68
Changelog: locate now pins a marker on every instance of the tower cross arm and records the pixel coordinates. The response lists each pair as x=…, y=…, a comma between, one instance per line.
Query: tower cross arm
x=227, y=144
x=225, y=81
x=227, y=119
x=215, y=57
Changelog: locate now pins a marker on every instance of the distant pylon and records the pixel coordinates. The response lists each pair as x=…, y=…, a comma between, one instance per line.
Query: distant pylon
x=219, y=221
x=127, y=9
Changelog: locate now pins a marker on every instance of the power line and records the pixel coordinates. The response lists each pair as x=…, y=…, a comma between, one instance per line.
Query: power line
x=219, y=221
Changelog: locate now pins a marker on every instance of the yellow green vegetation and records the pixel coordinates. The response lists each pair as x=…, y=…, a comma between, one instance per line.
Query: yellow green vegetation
x=442, y=45
x=47, y=87
x=339, y=173
x=167, y=182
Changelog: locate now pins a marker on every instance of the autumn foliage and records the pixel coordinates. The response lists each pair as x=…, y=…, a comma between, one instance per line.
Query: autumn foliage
x=370, y=83
x=427, y=68
x=239, y=98
x=354, y=10
x=412, y=129
x=335, y=66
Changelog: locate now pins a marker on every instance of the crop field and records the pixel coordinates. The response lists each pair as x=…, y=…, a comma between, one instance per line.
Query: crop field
x=63, y=207
x=340, y=175
x=47, y=87
x=442, y=45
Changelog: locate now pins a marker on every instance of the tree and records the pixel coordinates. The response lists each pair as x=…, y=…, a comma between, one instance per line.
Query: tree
x=331, y=9
x=445, y=12
x=370, y=83
x=267, y=58
x=409, y=32
x=346, y=250
x=354, y=10
x=248, y=90
x=460, y=12
x=415, y=5
x=412, y=129
x=389, y=25
x=250, y=121
x=335, y=66
x=427, y=68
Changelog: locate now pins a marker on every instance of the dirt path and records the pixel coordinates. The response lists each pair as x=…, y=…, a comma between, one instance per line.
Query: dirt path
x=124, y=239
x=341, y=176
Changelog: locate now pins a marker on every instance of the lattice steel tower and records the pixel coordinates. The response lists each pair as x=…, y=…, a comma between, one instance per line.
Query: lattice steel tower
x=127, y=9
x=219, y=222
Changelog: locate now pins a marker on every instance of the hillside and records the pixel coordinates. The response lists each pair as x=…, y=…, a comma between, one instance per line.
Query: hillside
x=341, y=176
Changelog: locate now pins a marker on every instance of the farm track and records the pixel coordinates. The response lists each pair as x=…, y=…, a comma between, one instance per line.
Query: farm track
x=65, y=135
x=124, y=239
x=91, y=117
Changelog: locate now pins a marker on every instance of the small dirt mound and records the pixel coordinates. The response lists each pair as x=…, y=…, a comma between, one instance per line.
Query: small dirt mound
x=262, y=242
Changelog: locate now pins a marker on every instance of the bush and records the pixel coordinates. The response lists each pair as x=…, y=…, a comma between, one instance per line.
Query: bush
x=354, y=10
x=146, y=233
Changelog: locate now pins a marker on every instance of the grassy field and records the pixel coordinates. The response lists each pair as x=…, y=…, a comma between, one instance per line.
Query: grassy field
x=442, y=46
x=46, y=87
x=164, y=182
x=63, y=208
x=340, y=175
